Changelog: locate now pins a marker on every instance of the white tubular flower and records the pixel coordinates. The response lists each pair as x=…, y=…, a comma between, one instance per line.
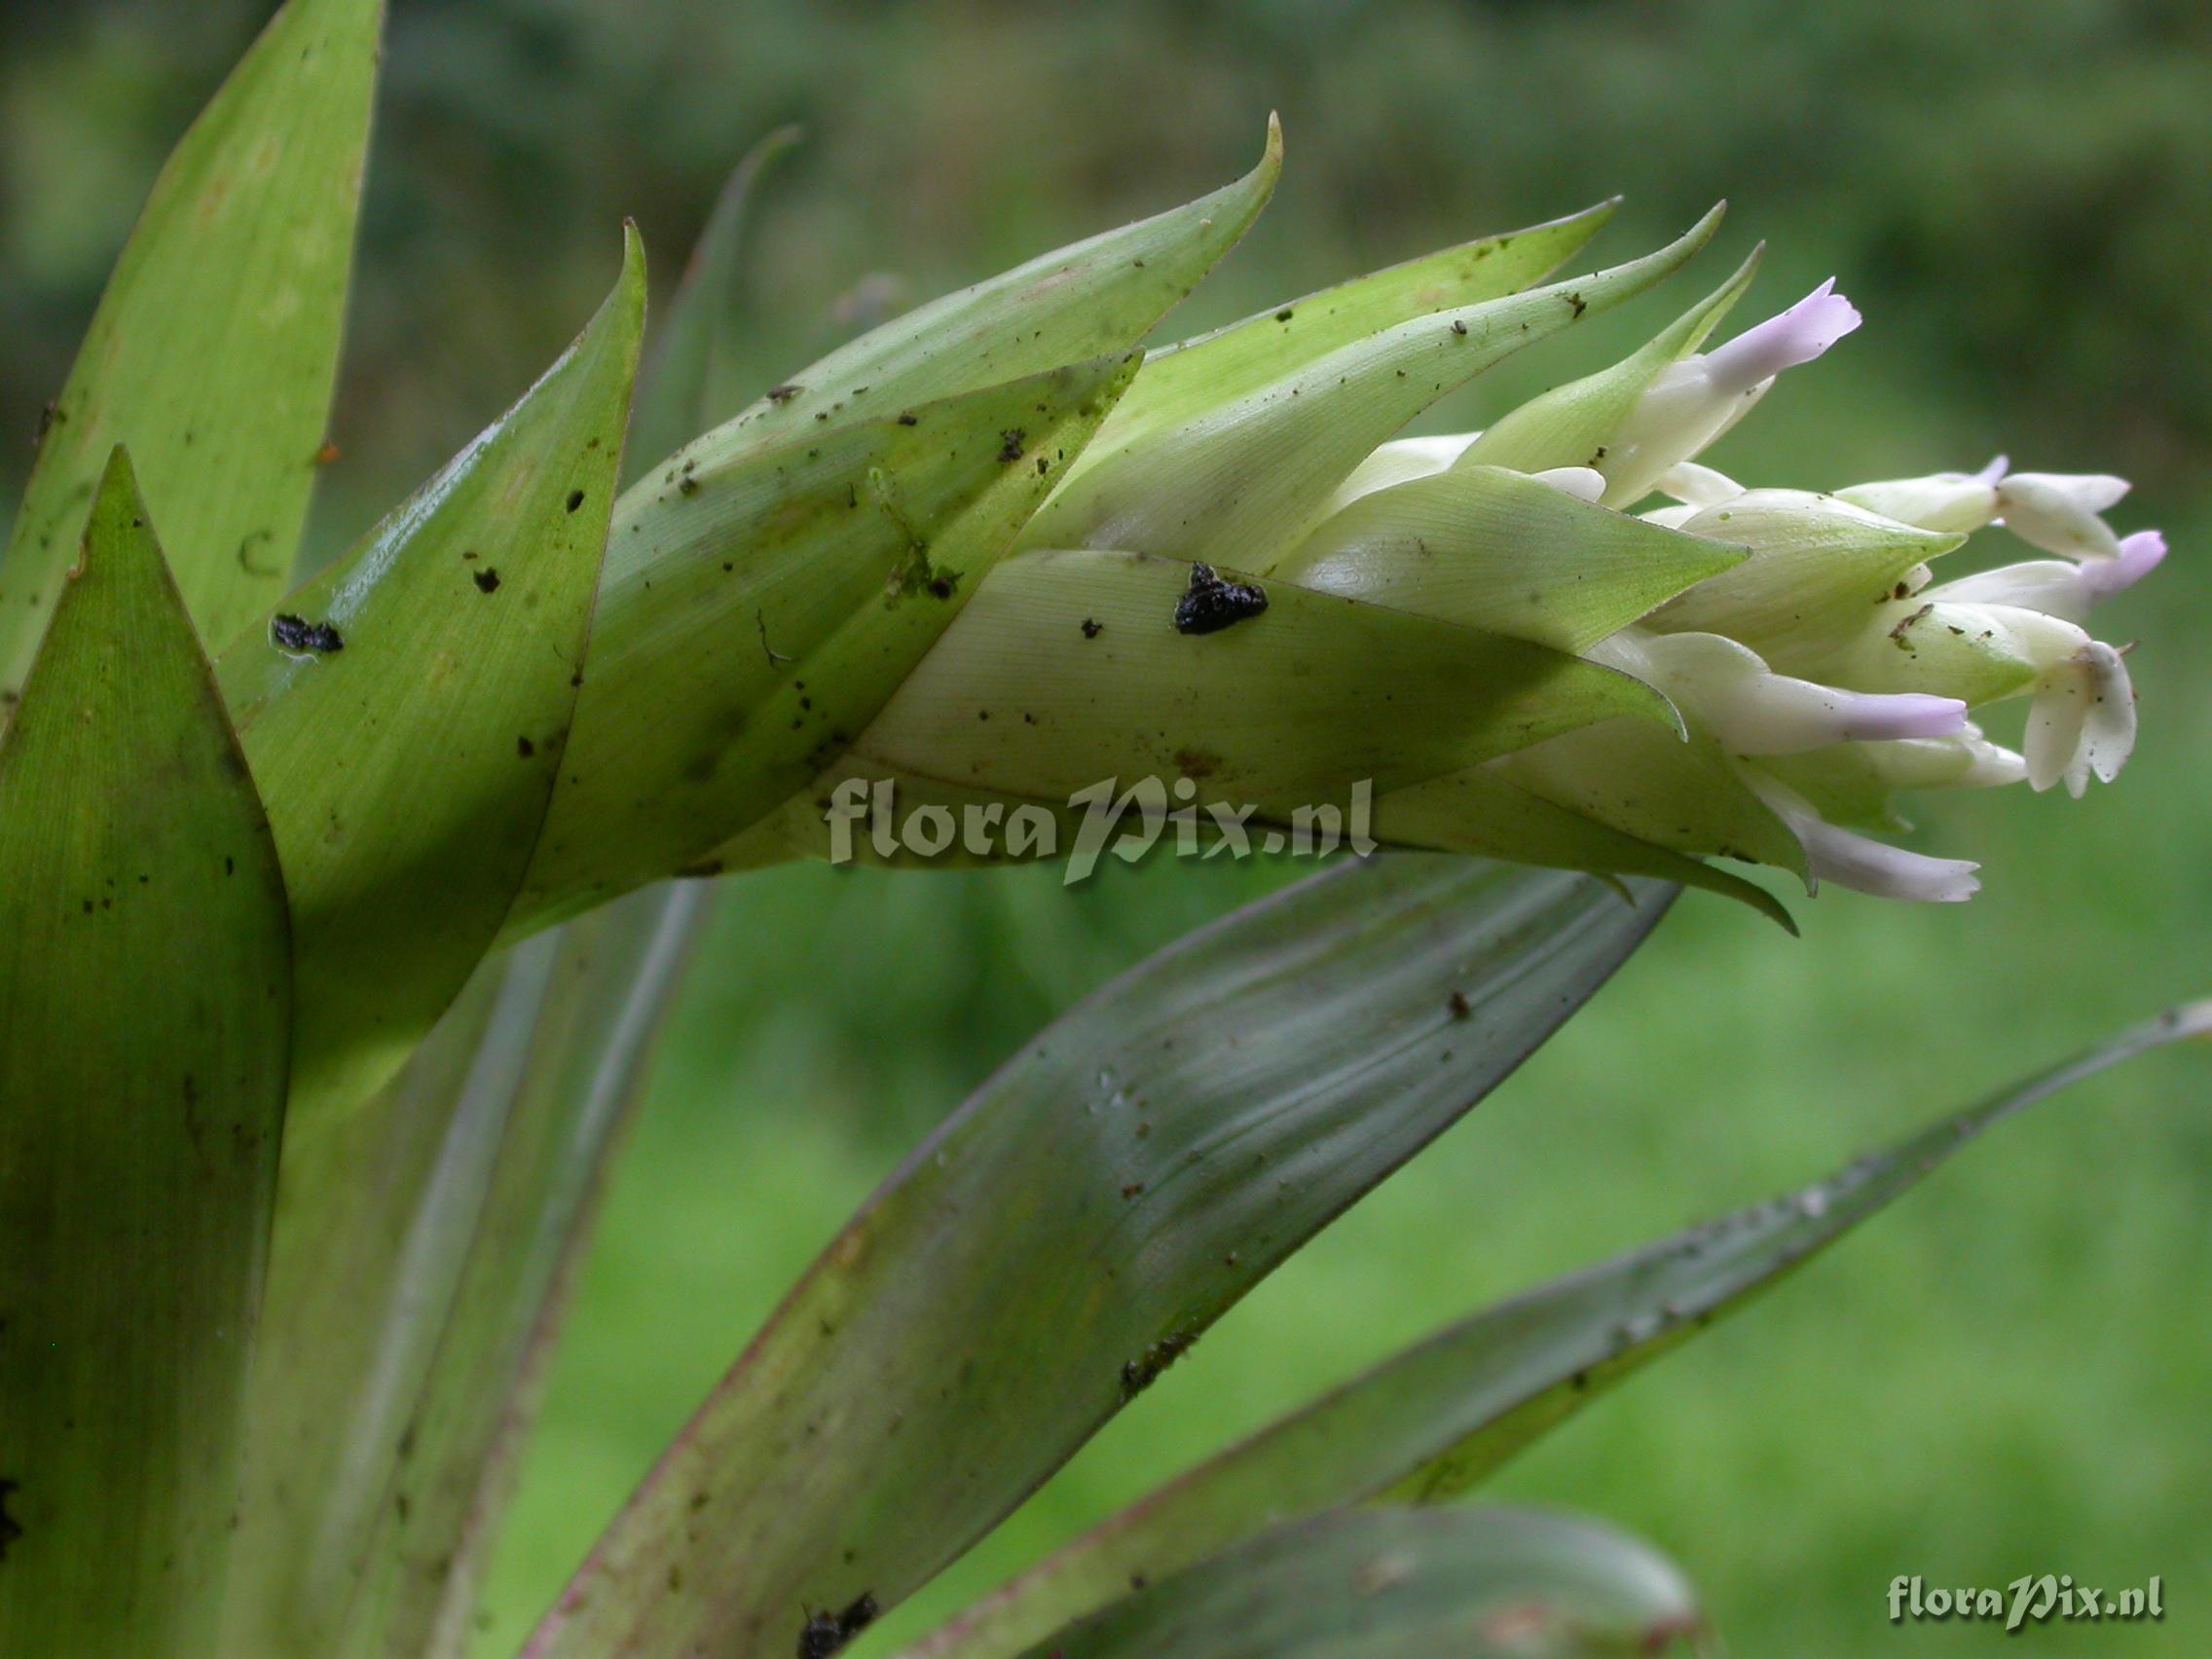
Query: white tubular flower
x=1583, y=483
x=1398, y=462
x=1692, y=402
x=2058, y=512
x=2060, y=588
x=2083, y=721
x=1861, y=863
x=1958, y=502
x=1754, y=711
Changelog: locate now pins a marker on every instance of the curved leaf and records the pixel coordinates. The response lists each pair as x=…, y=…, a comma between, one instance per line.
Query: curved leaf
x=408, y=772
x=145, y=974
x=215, y=346
x=1075, y=1227
x=1238, y=484
x=1405, y=1584
x=1184, y=379
x=685, y=385
x=1441, y=1417
x=1094, y=297
x=1572, y=424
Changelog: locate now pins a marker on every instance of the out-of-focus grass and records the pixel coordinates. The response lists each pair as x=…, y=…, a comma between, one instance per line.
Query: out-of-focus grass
x=2005, y=1376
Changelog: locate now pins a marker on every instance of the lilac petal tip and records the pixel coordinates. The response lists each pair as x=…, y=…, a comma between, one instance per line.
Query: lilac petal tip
x=2138, y=554
x=1796, y=336
x=1872, y=717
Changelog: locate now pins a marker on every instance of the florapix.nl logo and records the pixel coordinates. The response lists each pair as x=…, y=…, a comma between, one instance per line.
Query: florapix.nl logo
x=1129, y=822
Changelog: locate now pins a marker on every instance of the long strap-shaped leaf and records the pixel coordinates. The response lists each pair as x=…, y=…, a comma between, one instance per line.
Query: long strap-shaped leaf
x=407, y=753
x=214, y=350
x=427, y=1243
x=408, y=1310
x=145, y=983
x=1436, y=1420
x=1075, y=1227
x=1406, y=1584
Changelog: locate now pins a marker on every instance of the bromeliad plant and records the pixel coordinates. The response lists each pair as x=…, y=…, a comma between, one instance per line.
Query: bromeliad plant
x=331, y=943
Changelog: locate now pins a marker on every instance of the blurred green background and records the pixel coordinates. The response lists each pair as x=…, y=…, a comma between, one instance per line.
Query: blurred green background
x=2010, y=1374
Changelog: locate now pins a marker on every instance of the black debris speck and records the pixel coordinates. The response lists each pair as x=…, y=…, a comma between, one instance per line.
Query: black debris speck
x=1010, y=445
x=1092, y=628
x=297, y=633
x=524, y=748
x=1212, y=603
x=1283, y=316
x=826, y=1634
x=9, y=1531
x=487, y=580
x=576, y=499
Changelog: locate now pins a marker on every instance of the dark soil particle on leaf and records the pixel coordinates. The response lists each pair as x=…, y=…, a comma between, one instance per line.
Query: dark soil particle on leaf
x=487, y=580
x=826, y=1634
x=1093, y=628
x=1457, y=1002
x=1010, y=445
x=297, y=633
x=576, y=499
x=1212, y=603
x=1141, y=1373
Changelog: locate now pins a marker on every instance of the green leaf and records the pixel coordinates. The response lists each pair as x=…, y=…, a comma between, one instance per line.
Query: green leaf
x=1505, y=552
x=408, y=1315
x=1094, y=297
x=613, y=978
x=1405, y=1584
x=215, y=347
x=1484, y=812
x=1075, y=1227
x=144, y=971
x=1683, y=795
x=1284, y=710
x=1183, y=381
x=1573, y=424
x=376, y=1211
x=408, y=773
x=1439, y=1418
x=1241, y=483
x=762, y=605
x=688, y=382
